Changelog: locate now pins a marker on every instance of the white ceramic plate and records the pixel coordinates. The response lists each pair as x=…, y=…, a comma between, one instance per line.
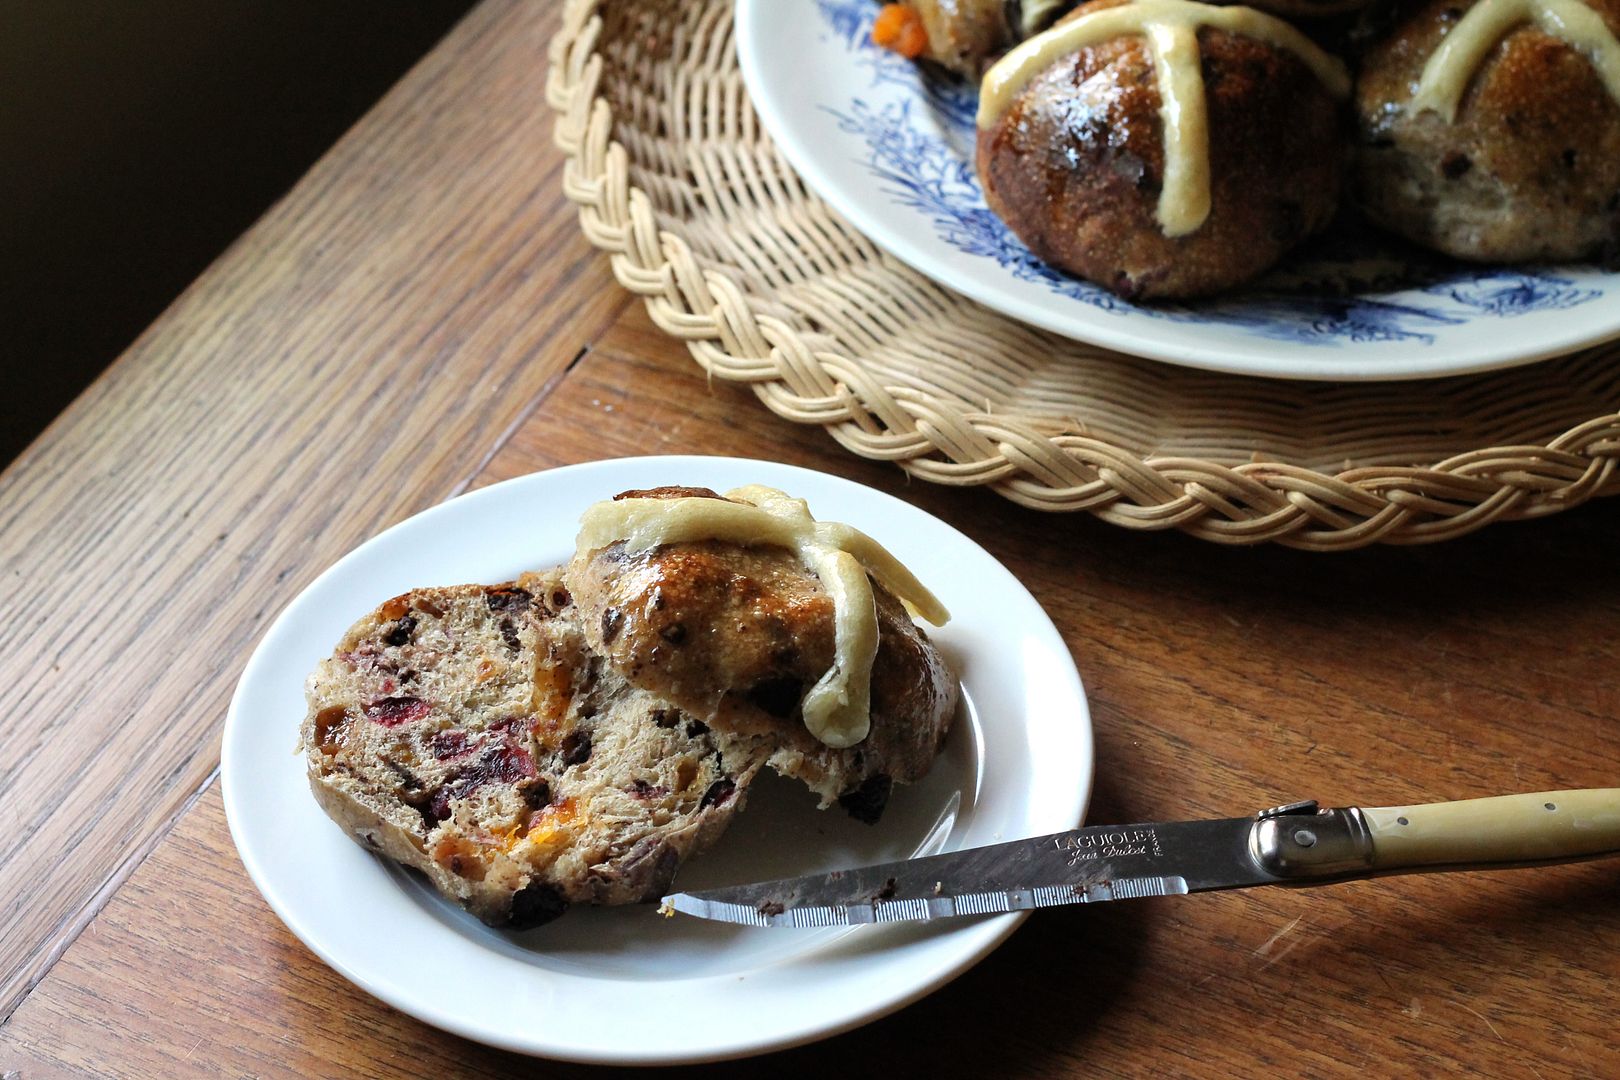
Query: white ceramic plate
x=891, y=149
x=624, y=985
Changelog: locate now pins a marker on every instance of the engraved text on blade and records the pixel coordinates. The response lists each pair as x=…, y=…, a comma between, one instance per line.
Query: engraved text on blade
x=1116, y=843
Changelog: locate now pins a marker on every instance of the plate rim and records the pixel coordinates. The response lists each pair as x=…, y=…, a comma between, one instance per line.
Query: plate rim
x=977, y=940
x=1443, y=362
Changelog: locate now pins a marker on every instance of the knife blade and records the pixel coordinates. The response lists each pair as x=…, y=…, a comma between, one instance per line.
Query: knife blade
x=1294, y=844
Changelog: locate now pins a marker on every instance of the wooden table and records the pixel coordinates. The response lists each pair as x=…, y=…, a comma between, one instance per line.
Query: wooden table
x=418, y=317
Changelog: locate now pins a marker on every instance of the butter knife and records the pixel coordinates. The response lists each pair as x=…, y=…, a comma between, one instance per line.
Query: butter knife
x=1296, y=844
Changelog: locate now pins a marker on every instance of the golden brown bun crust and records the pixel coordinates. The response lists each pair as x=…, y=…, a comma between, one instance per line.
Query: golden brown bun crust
x=1530, y=169
x=1076, y=163
x=738, y=634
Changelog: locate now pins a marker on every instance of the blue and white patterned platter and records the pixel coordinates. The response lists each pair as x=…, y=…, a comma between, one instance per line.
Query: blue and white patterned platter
x=891, y=149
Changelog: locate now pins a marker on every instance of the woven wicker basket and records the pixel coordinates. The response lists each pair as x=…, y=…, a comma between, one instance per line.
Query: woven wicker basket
x=701, y=216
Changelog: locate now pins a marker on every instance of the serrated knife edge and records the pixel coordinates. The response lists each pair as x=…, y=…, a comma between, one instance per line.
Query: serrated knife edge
x=925, y=909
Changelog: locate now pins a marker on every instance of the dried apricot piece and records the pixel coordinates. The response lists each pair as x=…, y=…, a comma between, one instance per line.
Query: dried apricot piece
x=899, y=28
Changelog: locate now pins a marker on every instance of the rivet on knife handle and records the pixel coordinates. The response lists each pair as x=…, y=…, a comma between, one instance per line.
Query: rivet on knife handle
x=1302, y=843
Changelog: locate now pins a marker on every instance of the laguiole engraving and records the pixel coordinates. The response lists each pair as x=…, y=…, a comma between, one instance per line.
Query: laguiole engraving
x=1112, y=844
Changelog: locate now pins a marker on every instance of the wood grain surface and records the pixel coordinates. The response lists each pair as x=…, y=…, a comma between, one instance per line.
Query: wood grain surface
x=419, y=317
x=350, y=361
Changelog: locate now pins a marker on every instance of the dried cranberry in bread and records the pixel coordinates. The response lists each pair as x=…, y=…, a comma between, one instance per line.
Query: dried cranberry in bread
x=469, y=733
x=739, y=633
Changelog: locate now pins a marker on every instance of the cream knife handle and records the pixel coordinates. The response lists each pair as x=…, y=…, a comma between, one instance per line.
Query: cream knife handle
x=1508, y=830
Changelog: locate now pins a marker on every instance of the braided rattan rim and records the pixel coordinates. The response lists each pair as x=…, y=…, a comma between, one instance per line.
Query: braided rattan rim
x=676, y=181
